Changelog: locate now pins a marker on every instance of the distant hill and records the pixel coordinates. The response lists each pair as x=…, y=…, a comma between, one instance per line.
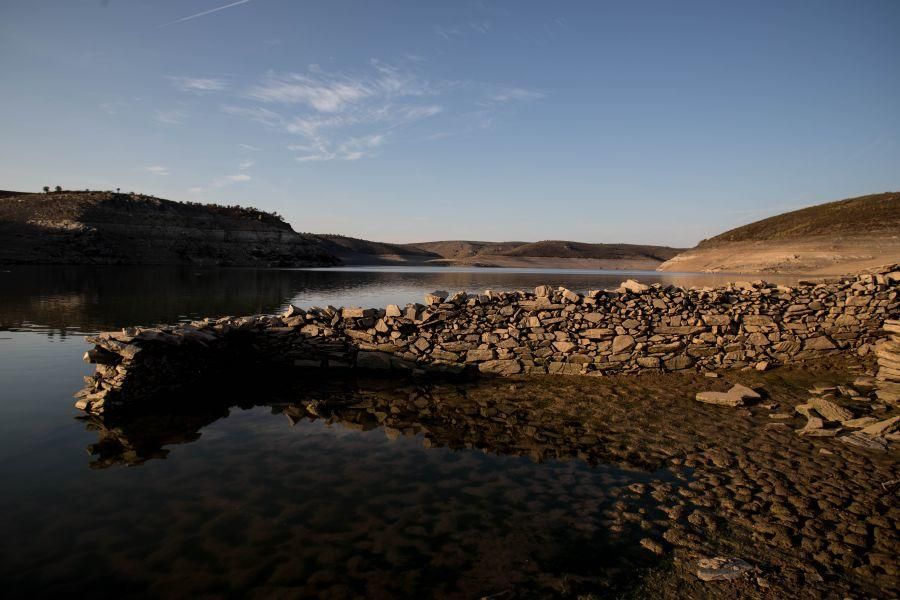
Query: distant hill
x=7, y=193
x=549, y=253
x=835, y=237
x=90, y=227
x=353, y=251
x=111, y=228
x=562, y=249
x=460, y=249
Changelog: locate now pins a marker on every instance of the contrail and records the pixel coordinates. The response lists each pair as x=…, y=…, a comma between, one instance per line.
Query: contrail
x=205, y=12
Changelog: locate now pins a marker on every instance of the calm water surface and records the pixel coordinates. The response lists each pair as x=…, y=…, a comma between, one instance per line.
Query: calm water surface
x=312, y=505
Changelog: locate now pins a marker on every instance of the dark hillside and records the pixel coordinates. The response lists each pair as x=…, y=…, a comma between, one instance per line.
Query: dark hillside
x=113, y=228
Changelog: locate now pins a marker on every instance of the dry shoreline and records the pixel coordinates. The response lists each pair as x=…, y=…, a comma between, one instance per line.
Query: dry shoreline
x=807, y=257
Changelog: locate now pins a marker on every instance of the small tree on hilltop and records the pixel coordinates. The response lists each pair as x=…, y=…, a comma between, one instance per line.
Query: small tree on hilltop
x=46, y=189
x=58, y=188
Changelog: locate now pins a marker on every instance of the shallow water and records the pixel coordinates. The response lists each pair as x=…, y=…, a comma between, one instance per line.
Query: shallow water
x=250, y=505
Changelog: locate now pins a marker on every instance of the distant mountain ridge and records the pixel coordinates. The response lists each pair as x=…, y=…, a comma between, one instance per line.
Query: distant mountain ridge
x=835, y=237
x=92, y=227
x=501, y=254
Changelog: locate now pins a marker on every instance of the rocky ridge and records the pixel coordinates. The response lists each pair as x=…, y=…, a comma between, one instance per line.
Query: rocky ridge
x=109, y=228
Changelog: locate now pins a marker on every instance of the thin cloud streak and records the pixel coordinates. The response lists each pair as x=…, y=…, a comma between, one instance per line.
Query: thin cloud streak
x=198, y=84
x=204, y=13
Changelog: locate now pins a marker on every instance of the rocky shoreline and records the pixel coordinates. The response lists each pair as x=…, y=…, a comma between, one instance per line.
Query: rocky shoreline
x=635, y=328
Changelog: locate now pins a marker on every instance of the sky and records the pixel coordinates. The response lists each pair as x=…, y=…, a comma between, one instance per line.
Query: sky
x=643, y=122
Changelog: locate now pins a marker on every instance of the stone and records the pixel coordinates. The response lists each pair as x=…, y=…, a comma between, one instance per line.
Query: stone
x=648, y=362
x=501, y=367
x=563, y=368
x=758, y=339
x=884, y=427
x=722, y=568
x=744, y=392
x=829, y=410
x=543, y=291
x=564, y=346
x=762, y=365
x=622, y=343
x=678, y=363
x=653, y=546
x=436, y=297
x=818, y=343
x=479, y=355
x=719, y=398
x=293, y=311
x=812, y=424
x=863, y=440
x=859, y=423
x=570, y=296
x=633, y=286
x=392, y=310
x=717, y=320
x=597, y=333
x=357, y=313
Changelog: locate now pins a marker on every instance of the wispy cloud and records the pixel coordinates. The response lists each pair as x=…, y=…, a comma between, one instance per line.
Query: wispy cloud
x=111, y=108
x=229, y=179
x=349, y=116
x=249, y=147
x=170, y=117
x=246, y=164
x=514, y=94
x=255, y=113
x=205, y=12
x=477, y=26
x=220, y=182
x=198, y=84
x=323, y=94
x=157, y=170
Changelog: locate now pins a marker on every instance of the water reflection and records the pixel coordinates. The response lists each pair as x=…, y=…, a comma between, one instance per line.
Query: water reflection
x=459, y=416
x=67, y=300
x=339, y=490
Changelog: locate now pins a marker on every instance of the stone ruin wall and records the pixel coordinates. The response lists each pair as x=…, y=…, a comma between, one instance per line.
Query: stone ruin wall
x=635, y=328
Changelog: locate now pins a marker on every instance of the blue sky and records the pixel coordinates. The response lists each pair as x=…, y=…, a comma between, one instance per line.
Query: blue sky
x=647, y=122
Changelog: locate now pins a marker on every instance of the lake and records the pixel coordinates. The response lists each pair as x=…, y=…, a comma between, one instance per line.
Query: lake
x=311, y=489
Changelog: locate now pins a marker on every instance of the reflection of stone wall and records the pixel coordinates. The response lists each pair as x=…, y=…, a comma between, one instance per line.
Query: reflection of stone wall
x=555, y=331
x=470, y=415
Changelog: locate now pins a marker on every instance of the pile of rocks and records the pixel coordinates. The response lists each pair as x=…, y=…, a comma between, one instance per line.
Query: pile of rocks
x=888, y=353
x=853, y=414
x=633, y=328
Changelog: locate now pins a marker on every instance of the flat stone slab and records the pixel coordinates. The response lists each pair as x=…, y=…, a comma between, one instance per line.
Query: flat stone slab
x=722, y=568
x=720, y=398
x=734, y=397
x=862, y=440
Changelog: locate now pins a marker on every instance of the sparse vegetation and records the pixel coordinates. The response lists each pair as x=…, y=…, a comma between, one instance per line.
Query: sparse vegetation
x=861, y=216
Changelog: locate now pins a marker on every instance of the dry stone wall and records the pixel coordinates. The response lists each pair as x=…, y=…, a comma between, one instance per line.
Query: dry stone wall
x=633, y=328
